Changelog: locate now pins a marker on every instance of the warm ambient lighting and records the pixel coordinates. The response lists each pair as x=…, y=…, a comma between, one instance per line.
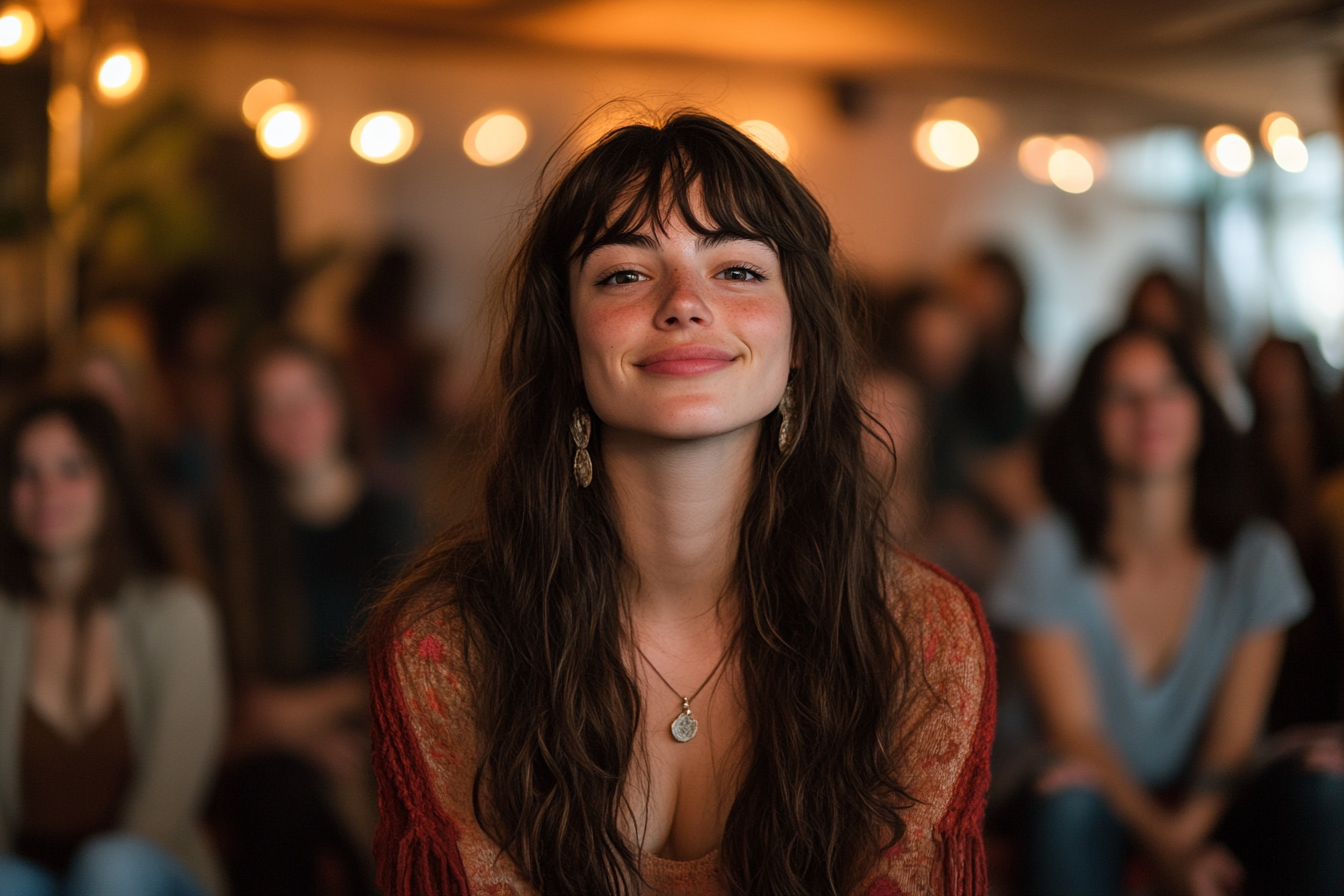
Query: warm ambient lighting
x=1276, y=125
x=383, y=137
x=121, y=73
x=284, y=130
x=1291, y=154
x=768, y=137
x=264, y=96
x=495, y=138
x=20, y=32
x=1228, y=151
x=1070, y=162
x=946, y=144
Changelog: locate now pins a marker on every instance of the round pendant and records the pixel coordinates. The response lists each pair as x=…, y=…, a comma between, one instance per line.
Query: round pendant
x=684, y=727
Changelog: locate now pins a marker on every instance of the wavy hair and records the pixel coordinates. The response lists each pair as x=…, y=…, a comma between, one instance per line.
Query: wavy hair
x=536, y=580
x=1076, y=474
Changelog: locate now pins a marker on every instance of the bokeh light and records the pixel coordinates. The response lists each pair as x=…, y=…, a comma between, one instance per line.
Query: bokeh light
x=285, y=130
x=1228, y=151
x=121, y=73
x=768, y=137
x=383, y=137
x=495, y=138
x=1291, y=154
x=946, y=144
x=1070, y=170
x=1276, y=125
x=264, y=96
x=20, y=33
x=1033, y=157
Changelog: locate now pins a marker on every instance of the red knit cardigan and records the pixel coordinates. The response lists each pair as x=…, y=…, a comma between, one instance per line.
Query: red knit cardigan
x=429, y=843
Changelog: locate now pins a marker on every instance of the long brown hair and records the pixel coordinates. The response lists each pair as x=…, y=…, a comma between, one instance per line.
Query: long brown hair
x=536, y=579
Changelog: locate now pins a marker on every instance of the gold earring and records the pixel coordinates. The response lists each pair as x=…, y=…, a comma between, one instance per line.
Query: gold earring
x=787, y=424
x=580, y=430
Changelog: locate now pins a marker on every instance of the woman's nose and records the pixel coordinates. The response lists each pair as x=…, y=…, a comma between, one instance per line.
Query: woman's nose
x=682, y=303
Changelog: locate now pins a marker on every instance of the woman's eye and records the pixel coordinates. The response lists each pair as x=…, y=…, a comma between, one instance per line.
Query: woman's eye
x=740, y=274
x=621, y=278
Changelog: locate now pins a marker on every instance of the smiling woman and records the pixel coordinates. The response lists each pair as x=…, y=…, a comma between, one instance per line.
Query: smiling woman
x=678, y=650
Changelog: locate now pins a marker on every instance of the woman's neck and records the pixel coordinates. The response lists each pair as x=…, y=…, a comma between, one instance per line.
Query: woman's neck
x=1150, y=516
x=324, y=491
x=60, y=577
x=679, y=507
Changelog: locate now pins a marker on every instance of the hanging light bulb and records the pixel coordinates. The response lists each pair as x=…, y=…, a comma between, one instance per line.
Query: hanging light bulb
x=1290, y=153
x=264, y=96
x=284, y=130
x=120, y=73
x=1276, y=125
x=946, y=144
x=20, y=33
x=383, y=137
x=1228, y=151
x=495, y=138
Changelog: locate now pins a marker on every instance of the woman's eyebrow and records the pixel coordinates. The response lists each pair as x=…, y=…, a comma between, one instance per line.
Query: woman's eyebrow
x=720, y=237
x=638, y=240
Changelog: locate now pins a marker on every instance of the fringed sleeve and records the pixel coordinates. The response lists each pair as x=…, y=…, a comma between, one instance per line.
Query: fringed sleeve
x=416, y=845
x=950, y=725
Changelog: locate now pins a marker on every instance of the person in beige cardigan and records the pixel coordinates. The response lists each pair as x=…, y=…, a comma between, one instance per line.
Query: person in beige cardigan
x=112, y=703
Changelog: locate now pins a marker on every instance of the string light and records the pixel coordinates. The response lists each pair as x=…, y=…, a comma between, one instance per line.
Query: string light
x=1228, y=151
x=20, y=33
x=121, y=73
x=264, y=96
x=284, y=130
x=1069, y=162
x=383, y=137
x=768, y=137
x=1276, y=125
x=1290, y=153
x=495, y=138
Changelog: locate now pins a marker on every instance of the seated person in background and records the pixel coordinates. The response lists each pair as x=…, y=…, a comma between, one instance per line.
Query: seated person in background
x=111, y=673
x=1150, y=613
x=300, y=540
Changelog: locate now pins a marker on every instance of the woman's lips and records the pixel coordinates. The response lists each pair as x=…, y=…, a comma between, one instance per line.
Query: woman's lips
x=686, y=360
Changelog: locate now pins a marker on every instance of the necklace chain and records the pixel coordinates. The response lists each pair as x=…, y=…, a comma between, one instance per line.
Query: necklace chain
x=684, y=699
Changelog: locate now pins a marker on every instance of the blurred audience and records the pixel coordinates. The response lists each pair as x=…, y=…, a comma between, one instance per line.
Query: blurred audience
x=1163, y=303
x=1294, y=445
x=1150, y=609
x=112, y=702
x=300, y=538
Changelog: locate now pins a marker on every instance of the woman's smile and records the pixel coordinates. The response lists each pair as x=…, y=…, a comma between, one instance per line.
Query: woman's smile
x=686, y=360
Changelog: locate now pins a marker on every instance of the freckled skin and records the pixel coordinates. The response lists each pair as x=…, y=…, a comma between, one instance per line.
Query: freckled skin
x=630, y=301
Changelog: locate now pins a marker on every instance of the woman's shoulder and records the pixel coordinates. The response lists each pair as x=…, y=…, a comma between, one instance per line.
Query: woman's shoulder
x=168, y=600
x=940, y=617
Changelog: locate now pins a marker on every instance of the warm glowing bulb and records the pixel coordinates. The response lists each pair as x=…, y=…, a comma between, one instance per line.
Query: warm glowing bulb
x=495, y=138
x=1033, y=157
x=284, y=130
x=20, y=32
x=1291, y=154
x=1276, y=125
x=768, y=137
x=1070, y=170
x=264, y=96
x=121, y=74
x=383, y=137
x=1228, y=151
x=946, y=144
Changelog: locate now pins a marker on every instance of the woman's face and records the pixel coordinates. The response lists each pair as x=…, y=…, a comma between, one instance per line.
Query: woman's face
x=682, y=336
x=56, y=497
x=1149, y=417
x=297, y=419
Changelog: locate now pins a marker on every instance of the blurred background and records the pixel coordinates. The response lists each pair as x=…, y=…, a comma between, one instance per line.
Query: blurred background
x=266, y=233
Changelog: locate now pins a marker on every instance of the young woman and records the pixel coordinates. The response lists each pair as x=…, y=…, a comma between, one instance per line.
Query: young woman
x=1150, y=612
x=111, y=673
x=677, y=654
x=302, y=540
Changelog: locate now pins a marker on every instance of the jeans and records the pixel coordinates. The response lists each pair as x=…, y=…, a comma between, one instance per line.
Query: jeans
x=110, y=865
x=1286, y=827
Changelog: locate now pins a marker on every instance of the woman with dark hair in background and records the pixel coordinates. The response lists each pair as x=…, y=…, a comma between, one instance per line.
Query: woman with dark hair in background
x=301, y=539
x=111, y=673
x=678, y=652
x=1150, y=613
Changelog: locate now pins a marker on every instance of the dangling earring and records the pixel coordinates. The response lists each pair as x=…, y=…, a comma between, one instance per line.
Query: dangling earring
x=787, y=424
x=580, y=430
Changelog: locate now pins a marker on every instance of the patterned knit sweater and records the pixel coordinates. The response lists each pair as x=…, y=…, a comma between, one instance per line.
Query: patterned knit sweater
x=425, y=754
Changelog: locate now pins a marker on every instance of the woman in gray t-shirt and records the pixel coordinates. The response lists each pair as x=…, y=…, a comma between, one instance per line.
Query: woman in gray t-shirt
x=1149, y=613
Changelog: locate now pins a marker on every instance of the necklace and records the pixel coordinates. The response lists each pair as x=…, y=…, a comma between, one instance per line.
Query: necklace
x=684, y=725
